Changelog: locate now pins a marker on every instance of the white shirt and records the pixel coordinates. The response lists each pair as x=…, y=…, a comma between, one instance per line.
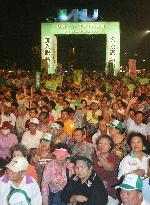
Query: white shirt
x=146, y=189
x=145, y=202
x=130, y=163
x=31, y=141
x=28, y=184
x=95, y=137
x=11, y=118
x=132, y=126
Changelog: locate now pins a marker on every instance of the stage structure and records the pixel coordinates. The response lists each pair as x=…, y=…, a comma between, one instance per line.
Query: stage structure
x=50, y=31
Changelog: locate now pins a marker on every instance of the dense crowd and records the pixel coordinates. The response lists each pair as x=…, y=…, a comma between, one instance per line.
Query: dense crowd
x=85, y=142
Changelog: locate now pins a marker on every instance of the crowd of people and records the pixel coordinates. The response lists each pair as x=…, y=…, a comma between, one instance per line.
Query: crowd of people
x=84, y=142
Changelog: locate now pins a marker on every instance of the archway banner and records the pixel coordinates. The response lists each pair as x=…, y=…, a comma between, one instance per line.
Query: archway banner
x=50, y=31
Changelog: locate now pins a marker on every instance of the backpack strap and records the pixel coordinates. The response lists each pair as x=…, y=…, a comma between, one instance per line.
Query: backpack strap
x=13, y=191
x=67, y=173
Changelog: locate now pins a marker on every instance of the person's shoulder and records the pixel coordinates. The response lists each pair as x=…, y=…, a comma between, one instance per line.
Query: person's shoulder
x=126, y=158
x=50, y=164
x=129, y=120
x=12, y=135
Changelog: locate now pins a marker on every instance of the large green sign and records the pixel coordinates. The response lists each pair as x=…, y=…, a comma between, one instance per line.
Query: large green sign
x=49, y=32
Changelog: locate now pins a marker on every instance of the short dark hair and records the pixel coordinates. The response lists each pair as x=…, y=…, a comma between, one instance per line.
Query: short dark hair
x=87, y=160
x=60, y=123
x=108, y=138
x=52, y=103
x=71, y=111
x=19, y=147
x=81, y=130
x=35, y=110
x=136, y=134
x=45, y=107
x=65, y=110
x=45, y=99
x=139, y=112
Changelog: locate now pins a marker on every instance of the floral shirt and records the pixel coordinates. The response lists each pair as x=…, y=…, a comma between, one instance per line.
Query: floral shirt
x=121, y=149
x=54, y=178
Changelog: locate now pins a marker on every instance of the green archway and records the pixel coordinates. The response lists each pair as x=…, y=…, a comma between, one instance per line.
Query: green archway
x=49, y=40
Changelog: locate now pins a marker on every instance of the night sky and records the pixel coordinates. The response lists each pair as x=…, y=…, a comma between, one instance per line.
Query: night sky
x=20, y=25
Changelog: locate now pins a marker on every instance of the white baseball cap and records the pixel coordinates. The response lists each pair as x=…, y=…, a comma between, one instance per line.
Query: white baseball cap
x=18, y=164
x=55, y=125
x=48, y=137
x=131, y=182
x=34, y=120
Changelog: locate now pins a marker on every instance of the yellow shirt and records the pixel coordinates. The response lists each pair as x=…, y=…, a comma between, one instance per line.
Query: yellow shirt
x=69, y=126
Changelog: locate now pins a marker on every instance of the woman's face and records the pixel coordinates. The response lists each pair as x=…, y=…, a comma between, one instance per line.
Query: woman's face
x=17, y=153
x=94, y=106
x=104, y=145
x=82, y=170
x=136, y=144
x=45, y=145
x=84, y=104
x=60, y=159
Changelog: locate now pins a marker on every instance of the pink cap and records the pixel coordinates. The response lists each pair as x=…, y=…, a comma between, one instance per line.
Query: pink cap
x=61, y=152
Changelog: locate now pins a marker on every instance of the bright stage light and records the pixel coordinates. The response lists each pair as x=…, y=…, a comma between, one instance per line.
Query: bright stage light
x=148, y=31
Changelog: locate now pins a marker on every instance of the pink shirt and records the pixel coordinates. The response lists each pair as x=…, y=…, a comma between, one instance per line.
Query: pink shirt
x=7, y=141
x=54, y=178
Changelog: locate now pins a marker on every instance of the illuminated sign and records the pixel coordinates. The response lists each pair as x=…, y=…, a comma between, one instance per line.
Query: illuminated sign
x=112, y=49
x=47, y=49
x=50, y=31
x=77, y=15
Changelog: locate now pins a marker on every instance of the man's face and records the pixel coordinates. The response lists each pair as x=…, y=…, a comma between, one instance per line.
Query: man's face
x=60, y=99
x=78, y=136
x=32, y=127
x=138, y=118
x=131, y=114
x=131, y=197
x=102, y=126
x=64, y=116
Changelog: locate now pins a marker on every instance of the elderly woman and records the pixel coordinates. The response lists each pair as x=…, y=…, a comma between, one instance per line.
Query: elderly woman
x=116, y=130
x=105, y=163
x=20, y=150
x=136, y=161
x=55, y=175
x=85, y=187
